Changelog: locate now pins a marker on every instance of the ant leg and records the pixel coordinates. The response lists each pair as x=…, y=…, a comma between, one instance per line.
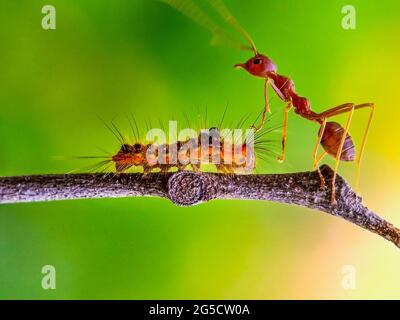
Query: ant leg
x=320, y=134
x=281, y=158
x=266, y=106
x=316, y=164
x=339, y=153
x=347, y=107
x=364, y=141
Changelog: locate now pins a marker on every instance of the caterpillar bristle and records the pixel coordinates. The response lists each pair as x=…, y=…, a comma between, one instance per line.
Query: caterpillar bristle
x=223, y=117
x=93, y=167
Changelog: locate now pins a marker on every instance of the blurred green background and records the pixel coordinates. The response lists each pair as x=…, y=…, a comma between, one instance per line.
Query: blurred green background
x=110, y=57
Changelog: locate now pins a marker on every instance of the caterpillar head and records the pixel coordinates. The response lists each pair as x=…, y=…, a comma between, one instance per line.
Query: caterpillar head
x=136, y=153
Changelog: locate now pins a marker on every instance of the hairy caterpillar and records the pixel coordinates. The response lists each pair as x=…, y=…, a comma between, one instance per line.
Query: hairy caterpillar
x=223, y=149
x=227, y=157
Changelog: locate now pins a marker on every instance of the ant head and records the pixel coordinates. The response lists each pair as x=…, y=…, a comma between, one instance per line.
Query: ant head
x=258, y=65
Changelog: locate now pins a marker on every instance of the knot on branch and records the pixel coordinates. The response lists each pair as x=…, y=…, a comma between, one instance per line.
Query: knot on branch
x=187, y=188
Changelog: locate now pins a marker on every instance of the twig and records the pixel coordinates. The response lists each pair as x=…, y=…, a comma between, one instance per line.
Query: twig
x=188, y=188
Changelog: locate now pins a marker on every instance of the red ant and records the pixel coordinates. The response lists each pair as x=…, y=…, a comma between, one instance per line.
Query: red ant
x=332, y=136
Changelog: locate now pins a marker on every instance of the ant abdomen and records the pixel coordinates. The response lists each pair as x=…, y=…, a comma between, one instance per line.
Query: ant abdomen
x=332, y=138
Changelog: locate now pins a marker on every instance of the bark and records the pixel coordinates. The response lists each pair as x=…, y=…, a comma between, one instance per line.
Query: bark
x=186, y=188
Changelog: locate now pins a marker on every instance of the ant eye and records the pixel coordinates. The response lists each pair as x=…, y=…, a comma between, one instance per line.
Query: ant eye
x=126, y=148
x=257, y=61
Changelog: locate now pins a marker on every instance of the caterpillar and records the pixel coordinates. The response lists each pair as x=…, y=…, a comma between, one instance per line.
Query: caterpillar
x=209, y=147
x=223, y=149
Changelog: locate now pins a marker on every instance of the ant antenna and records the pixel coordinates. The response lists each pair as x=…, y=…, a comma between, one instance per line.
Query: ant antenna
x=194, y=12
x=230, y=19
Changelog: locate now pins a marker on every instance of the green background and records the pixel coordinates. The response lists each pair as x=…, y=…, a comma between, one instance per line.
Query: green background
x=107, y=58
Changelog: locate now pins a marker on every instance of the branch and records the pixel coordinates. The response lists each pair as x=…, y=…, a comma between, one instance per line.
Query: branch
x=186, y=188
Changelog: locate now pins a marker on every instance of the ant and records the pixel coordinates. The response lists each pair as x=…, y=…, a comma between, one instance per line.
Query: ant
x=334, y=139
